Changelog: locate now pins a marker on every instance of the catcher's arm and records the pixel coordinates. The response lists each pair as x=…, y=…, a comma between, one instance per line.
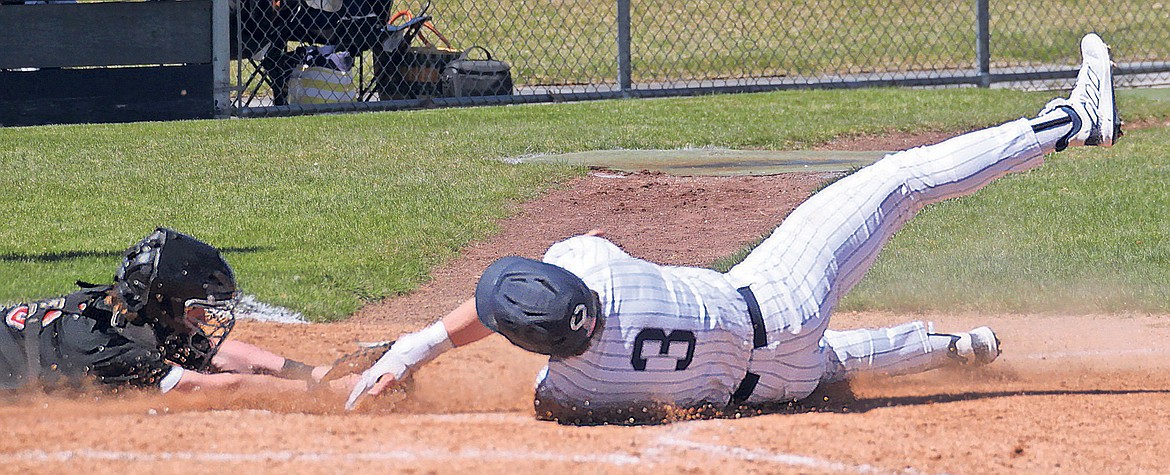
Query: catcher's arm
x=195, y=381
x=238, y=357
x=458, y=328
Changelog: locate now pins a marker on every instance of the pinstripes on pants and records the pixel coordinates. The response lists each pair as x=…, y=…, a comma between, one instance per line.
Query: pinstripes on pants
x=825, y=246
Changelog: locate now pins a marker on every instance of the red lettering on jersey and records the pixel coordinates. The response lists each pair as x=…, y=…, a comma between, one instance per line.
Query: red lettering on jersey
x=16, y=317
x=50, y=316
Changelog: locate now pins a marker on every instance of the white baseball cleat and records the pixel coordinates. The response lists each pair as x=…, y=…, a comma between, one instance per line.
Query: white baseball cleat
x=976, y=347
x=1091, y=99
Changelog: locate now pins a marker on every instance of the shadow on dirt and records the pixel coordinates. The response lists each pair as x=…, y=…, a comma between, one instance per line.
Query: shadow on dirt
x=863, y=405
x=833, y=398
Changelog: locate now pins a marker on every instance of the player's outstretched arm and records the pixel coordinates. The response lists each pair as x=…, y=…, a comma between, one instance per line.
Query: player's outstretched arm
x=463, y=325
x=239, y=357
x=194, y=381
x=458, y=328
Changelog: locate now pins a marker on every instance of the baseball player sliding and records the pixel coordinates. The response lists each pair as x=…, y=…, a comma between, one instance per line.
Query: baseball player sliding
x=622, y=332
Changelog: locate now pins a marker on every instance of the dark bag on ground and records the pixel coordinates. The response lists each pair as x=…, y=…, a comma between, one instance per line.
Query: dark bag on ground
x=412, y=72
x=404, y=71
x=466, y=77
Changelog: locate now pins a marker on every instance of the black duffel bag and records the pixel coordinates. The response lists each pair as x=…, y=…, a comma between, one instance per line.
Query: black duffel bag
x=465, y=77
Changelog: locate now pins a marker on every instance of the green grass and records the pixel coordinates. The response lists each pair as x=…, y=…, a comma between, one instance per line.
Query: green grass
x=326, y=213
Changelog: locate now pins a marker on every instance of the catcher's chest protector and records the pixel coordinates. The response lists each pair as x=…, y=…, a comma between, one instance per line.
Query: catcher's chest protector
x=50, y=339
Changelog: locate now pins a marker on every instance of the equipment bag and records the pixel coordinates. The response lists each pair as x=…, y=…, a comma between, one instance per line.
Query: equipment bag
x=421, y=69
x=323, y=77
x=465, y=77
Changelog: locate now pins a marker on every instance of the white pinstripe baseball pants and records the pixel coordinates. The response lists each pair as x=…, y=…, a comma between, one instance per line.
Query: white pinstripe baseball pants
x=825, y=246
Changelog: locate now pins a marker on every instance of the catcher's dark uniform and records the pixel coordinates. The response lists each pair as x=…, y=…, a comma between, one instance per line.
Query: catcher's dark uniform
x=75, y=345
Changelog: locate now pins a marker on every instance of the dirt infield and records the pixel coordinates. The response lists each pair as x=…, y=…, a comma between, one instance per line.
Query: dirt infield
x=1083, y=394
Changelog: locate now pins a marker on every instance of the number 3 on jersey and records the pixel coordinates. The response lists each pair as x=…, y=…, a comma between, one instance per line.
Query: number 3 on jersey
x=664, y=340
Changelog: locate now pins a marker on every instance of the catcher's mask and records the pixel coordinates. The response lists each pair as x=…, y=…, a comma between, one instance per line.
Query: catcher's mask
x=537, y=306
x=184, y=289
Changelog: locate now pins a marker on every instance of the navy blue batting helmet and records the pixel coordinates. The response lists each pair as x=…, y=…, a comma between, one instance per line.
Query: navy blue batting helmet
x=538, y=306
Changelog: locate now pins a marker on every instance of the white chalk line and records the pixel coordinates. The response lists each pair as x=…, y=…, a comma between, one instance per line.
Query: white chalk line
x=669, y=443
x=249, y=308
x=791, y=460
x=651, y=455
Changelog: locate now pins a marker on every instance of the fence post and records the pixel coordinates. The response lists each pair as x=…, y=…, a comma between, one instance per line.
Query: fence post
x=983, y=41
x=220, y=58
x=623, y=45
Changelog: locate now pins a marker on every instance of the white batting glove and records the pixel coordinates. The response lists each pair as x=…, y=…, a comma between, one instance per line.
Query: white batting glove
x=409, y=352
x=389, y=365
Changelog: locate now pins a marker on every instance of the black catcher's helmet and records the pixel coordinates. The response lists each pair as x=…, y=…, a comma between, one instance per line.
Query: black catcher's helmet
x=538, y=306
x=184, y=289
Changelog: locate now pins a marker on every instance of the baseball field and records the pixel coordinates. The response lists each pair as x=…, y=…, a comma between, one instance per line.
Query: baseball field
x=372, y=225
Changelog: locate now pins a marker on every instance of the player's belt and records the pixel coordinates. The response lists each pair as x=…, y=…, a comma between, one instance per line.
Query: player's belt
x=759, y=340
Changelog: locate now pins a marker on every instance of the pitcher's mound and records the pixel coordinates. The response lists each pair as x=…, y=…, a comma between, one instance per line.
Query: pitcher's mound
x=716, y=161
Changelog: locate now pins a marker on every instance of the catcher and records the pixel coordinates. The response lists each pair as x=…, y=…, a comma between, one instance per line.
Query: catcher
x=623, y=333
x=162, y=325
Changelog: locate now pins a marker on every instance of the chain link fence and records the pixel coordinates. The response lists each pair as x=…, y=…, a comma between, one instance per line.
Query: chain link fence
x=304, y=56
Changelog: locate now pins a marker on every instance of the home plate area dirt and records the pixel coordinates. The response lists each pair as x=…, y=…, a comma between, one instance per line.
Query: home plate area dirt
x=1071, y=394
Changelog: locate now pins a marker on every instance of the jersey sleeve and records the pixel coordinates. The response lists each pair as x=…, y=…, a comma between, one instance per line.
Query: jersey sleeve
x=577, y=254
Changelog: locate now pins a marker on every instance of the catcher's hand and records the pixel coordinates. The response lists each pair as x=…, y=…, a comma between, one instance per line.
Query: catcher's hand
x=357, y=361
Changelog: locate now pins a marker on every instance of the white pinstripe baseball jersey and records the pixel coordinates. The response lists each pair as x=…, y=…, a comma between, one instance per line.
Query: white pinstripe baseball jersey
x=683, y=335
x=672, y=334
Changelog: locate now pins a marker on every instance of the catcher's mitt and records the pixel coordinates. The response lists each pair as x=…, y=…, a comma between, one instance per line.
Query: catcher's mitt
x=357, y=362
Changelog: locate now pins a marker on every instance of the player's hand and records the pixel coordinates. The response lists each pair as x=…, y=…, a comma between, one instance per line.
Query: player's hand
x=388, y=370
x=319, y=372
x=596, y=232
x=343, y=385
